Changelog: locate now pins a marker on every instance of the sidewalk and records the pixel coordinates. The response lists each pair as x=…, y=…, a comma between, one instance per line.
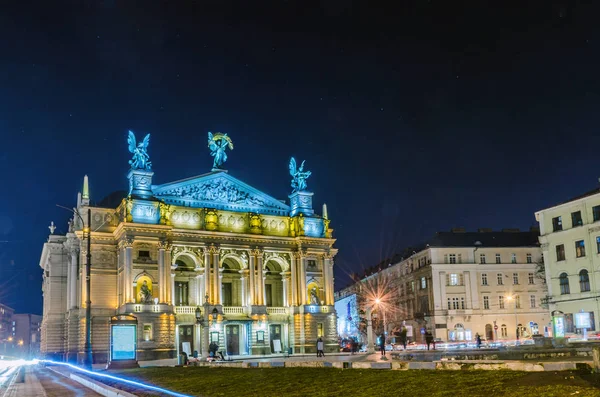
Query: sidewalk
x=30, y=388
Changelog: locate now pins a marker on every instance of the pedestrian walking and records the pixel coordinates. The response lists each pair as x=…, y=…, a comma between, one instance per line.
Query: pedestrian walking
x=382, y=345
x=428, y=339
x=478, y=340
x=320, y=348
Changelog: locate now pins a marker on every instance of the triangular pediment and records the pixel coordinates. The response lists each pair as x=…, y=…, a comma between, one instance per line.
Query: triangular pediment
x=219, y=190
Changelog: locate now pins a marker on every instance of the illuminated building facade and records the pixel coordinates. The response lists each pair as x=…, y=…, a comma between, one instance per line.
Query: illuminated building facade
x=570, y=240
x=460, y=284
x=200, y=260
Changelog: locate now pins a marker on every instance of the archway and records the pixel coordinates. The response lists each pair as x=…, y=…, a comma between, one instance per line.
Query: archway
x=273, y=284
x=184, y=281
x=231, y=286
x=489, y=332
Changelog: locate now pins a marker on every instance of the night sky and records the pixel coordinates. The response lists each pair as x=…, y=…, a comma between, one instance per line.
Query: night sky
x=415, y=119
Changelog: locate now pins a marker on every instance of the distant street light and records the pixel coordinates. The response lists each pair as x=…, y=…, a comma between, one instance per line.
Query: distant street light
x=510, y=298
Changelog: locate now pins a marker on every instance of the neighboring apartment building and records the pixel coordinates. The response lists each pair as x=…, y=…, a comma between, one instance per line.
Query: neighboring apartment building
x=570, y=241
x=6, y=331
x=27, y=334
x=462, y=283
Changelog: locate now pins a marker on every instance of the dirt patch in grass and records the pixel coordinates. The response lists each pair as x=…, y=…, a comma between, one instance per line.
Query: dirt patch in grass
x=212, y=382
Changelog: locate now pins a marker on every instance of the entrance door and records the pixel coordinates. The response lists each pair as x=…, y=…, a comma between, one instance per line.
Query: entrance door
x=186, y=339
x=233, y=340
x=489, y=332
x=275, y=333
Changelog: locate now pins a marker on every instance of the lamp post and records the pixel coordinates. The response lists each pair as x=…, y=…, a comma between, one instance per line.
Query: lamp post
x=370, y=347
x=87, y=358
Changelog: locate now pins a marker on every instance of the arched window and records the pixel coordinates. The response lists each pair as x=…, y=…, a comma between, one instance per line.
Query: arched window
x=584, y=281
x=564, y=284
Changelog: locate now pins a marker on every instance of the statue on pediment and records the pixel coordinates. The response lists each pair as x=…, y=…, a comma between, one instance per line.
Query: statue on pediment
x=140, y=160
x=299, y=176
x=217, y=144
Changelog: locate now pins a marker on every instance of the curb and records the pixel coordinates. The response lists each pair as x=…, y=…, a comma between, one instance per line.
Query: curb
x=99, y=387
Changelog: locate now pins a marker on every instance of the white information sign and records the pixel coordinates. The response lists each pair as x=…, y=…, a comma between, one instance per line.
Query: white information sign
x=123, y=342
x=277, y=345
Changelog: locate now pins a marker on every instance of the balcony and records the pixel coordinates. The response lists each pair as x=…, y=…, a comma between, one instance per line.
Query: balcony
x=277, y=310
x=233, y=310
x=187, y=310
x=145, y=308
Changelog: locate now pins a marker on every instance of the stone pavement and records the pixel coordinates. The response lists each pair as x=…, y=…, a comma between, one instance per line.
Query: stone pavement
x=43, y=382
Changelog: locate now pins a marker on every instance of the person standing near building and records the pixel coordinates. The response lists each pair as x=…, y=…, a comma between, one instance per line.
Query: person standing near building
x=320, y=352
x=478, y=340
x=428, y=339
x=382, y=344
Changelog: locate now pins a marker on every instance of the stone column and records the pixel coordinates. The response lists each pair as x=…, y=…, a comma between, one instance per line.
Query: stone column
x=206, y=276
x=252, y=280
x=243, y=287
x=216, y=279
x=83, y=273
x=443, y=290
x=467, y=281
x=220, y=286
x=261, y=278
x=294, y=278
x=284, y=282
x=198, y=291
x=162, y=280
x=72, y=279
x=205, y=340
x=302, y=276
x=173, y=299
x=128, y=244
x=328, y=270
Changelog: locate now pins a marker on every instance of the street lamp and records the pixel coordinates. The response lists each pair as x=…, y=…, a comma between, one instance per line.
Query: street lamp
x=87, y=358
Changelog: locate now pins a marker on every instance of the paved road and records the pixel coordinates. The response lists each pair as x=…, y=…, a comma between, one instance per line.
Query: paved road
x=43, y=382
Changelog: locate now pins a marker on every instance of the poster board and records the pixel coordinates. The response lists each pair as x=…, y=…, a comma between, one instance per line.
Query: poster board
x=583, y=320
x=123, y=342
x=277, y=345
x=187, y=348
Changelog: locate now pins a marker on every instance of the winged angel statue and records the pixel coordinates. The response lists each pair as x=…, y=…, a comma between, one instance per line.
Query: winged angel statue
x=140, y=154
x=217, y=144
x=299, y=176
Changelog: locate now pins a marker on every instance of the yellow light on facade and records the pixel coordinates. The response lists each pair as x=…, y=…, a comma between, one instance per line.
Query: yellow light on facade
x=21, y=342
x=10, y=338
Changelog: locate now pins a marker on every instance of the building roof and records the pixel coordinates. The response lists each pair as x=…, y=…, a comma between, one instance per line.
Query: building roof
x=584, y=195
x=485, y=239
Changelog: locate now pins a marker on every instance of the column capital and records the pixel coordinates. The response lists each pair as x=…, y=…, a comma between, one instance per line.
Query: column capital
x=165, y=245
x=257, y=252
x=213, y=249
x=300, y=254
x=126, y=242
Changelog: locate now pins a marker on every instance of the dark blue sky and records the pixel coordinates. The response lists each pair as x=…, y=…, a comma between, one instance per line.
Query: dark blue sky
x=413, y=119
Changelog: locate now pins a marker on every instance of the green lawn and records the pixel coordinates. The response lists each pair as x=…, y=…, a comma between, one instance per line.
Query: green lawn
x=282, y=382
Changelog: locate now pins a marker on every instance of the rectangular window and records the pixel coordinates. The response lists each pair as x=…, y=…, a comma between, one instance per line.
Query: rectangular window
x=144, y=254
x=462, y=303
x=529, y=260
x=513, y=258
x=423, y=283
x=484, y=279
x=560, y=252
x=518, y=301
x=576, y=219
x=579, y=248
x=482, y=258
x=452, y=258
x=501, y=302
x=453, y=279
x=147, y=332
x=557, y=224
x=486, y=302
x=598, y=244
x=500, y=279
x=449, y=304
x=455, y=303
x=515, y=278
x=531, y=278
x=532, y=301
x=320, y=332
x=596, y=213
x=498, y=259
